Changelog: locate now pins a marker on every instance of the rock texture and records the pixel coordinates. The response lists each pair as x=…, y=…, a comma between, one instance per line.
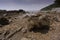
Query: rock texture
x=40, y=26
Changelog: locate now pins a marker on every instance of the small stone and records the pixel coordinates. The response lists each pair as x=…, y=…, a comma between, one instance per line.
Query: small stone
x=24, y=30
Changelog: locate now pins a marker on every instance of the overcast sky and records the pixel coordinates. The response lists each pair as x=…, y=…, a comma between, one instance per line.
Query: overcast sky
x=24, y=4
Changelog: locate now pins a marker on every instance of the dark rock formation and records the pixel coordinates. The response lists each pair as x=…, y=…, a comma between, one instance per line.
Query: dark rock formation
x=11, y=12
x=4, y=21
x=56, y=4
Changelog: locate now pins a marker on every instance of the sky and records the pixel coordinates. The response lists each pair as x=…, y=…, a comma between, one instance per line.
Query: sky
x=24, y=4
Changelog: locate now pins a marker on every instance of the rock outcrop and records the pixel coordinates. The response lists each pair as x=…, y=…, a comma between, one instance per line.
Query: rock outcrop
x=40, y=26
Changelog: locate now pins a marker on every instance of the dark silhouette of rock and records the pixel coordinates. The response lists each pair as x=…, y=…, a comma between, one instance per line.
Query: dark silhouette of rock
x=11, y=12
x=56, y=4
x=21, y=10
x=4, y=21
x=57, y=1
